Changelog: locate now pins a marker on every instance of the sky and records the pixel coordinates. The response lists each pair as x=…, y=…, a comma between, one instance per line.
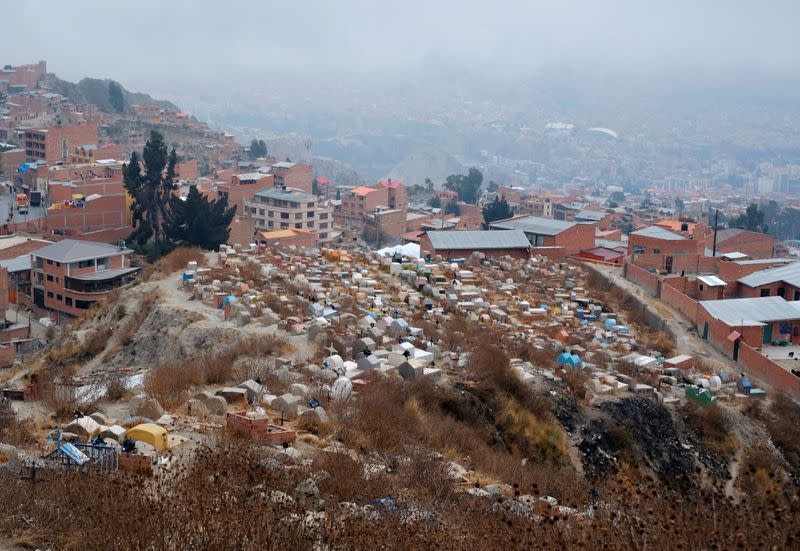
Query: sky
x=192, y=40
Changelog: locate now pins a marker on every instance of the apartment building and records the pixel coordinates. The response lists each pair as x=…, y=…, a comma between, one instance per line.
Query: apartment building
x=397, y=198
x=58, y=143
x=242, y=188
x=279, y=209
x=70, y=276
x=358, y=201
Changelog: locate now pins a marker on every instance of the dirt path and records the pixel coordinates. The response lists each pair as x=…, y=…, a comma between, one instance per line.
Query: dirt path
x=688, y=342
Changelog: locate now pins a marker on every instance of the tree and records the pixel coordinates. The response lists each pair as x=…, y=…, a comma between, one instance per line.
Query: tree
x=258, y=148
x=199, y=221
x=115, y=97
x=492, y=187
x=429, y=185
x=315, y=189
x=149, y=182
x=435, y=202
x=752, y=220
x=679, y=204
x=453, y=208
x=496, y=210
x=466, y=186
x=612, y=204
x=617, y=197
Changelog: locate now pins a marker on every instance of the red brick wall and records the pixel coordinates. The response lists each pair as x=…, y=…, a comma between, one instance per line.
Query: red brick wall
x=755, y=245
x=665, y=246
x=646, y=280
x=554, y=253
x=685, y=304
x=744, y=291
x=764, y=368
x=575, y=239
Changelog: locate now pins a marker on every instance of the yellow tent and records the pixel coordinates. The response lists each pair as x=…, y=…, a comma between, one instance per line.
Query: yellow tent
x=152, y=434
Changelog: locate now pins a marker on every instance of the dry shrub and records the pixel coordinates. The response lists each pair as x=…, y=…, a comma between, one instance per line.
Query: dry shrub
x=170, y=383
x=713, y=426
x=15, y=431
x=217, y=369
x=781, y=422
x=115, y=388
x=575, y=380
x=759, y=472
x=174, y=261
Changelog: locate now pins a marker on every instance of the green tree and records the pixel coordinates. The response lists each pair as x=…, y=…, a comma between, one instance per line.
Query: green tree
x=258, y=148
x=752, y=219
x=435, y=202
x=612, y=204
x=496, y=210
x=679, y=204
x=429, y=185
x=492, y=186
x=315, y=189
x=150, y=183
x=199, y=221
x=453, y=208
x=115, y=97
x=466, y=186
x=617, y=197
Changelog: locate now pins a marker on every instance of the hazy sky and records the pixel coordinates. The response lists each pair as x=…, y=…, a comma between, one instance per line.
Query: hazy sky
x=152, y=41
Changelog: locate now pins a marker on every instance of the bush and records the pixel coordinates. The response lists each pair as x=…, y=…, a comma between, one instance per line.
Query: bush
x=713, y=426
x=170, y=383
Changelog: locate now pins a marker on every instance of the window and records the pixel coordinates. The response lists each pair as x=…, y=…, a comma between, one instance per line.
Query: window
x=260, y=212
x=638, y=249
x=310, y=214
x=270, y=214
x=298, y=226
x=59, y=297
x=50, y=262
x=49, y=277
x=81, y=264
x=323, y=215
x=58, y=264
x=83, y=304
x=764, y=292
x=49, y=294
x=701, y=286
x=68, y=301
x=298, y=215
x=797, y=295
x=284, y=216
x=781, y=291
x=656, y=251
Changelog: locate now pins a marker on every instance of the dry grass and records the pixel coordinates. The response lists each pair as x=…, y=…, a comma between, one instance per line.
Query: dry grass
x=174, y=261
x=713, y=425
x=781, y=422
x=170, y=384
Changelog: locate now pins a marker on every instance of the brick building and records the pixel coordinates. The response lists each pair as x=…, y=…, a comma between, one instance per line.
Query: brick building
x=358, y=201
x=781, y=281
x=293, y=175
x=57, y=143
x=397, y=198
x=243, y=187
x=389, y=223
x=753, y=244
x=290, y=237
x=757, y=321
x=70, y=276
x=279, y=209
x=571, y=237
x=461, y=244
x=10, y=161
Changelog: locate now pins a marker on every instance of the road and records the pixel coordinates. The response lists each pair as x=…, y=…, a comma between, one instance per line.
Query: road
x=8, y=202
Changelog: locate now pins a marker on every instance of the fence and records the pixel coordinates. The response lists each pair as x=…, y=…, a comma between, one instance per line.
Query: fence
x=763, y=368
x=685, y=304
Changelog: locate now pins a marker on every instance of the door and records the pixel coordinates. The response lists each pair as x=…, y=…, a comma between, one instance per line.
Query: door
x=705, y=331
x=767, y=334
x=736, y=350
x=668, y=264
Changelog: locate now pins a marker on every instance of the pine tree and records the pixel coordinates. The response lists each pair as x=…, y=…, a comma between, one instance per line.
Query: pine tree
x=199, y=221
x=149, y=182
x=496, y=210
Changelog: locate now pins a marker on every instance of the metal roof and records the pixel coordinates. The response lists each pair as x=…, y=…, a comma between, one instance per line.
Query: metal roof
x=284, y=164
x=534, y=224
x=72, y=250
x=590, y=215
x=747, y=311
x=790, y=273
x=102, y=275
x=486, y=239
x=251, y=176
x=764, y=261
x=734, y=256
x=285, y=194
x=711, y=280
x=18, y=264
x=658, y=232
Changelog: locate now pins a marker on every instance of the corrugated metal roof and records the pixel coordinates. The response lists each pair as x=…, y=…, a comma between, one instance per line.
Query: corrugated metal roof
x=488, y=239
x=764, y=261
x=746, y=311
x=534, y=224
x=658, y=232
x=72, y=250
x=711, y=280
x=18, y=264
x=590, y=215
x=285, y=195
x=789, y=273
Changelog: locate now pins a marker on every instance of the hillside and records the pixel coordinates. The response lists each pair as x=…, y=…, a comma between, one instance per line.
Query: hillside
x=95, y=91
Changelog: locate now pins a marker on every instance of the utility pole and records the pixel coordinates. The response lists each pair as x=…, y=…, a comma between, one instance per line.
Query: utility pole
x=716, y=219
